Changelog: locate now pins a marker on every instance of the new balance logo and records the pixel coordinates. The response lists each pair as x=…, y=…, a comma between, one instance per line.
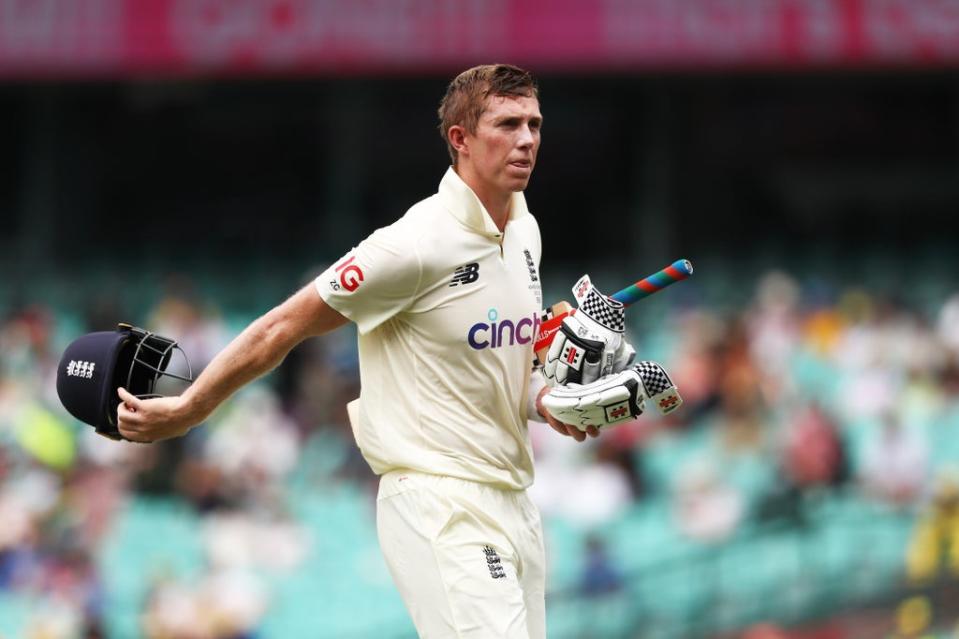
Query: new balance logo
x=80, y=369
x=466, y=274
x=493, y=563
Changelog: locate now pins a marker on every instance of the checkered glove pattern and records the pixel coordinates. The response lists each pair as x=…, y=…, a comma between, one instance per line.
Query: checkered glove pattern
x=615, y=398
x=605, y=311
x=590, y=343
x=660, y=389
x=655, y=379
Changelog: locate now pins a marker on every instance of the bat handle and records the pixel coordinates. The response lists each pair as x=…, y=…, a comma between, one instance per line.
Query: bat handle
x=675, y=272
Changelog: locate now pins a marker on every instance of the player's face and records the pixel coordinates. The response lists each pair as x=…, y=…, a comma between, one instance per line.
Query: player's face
x=502, y=152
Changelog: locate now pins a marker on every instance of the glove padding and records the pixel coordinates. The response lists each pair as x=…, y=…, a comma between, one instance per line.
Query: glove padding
x=590, y=342
x=615, y=398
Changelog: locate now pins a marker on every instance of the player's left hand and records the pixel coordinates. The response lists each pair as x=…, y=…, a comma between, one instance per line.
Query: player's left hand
x=590, y=343
x=563, y=429
x=613, y=399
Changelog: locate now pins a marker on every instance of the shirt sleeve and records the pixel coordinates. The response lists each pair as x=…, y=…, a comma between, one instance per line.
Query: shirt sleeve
x=536, y=384
x=374, y=281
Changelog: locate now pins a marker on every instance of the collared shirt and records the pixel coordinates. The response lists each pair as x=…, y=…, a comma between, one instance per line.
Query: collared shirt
x=446, y=307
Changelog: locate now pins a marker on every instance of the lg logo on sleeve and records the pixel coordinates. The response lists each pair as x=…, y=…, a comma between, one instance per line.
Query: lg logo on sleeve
x=350, y=276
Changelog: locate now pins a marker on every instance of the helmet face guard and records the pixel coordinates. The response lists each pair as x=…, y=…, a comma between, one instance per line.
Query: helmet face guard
x=94, y=365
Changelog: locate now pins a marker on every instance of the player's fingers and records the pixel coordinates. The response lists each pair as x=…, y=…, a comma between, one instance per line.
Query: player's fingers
x=575, y=433
x=592, y=431
x=132, y=401
x=559, y=428
x=125, y=415
x=564, y=429
x=133, y=435
x=555, y=424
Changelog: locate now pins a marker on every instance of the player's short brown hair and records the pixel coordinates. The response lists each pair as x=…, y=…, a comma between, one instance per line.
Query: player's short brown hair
x=465, y=98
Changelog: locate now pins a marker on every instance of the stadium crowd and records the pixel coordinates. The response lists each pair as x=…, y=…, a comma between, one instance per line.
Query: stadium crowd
x=793, y=395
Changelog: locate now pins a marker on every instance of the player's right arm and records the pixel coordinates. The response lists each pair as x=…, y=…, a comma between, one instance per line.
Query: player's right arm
x=257, y=350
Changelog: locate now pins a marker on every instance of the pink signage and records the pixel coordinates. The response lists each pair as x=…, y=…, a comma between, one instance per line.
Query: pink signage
x=117, y=38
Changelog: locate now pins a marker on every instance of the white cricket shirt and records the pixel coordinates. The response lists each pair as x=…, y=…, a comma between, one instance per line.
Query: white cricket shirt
x=447, y=310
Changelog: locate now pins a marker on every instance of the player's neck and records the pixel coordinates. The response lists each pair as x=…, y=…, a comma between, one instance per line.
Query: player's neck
x=496, y=203
x=498, y=209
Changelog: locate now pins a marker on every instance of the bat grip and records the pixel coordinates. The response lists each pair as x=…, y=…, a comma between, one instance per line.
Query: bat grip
x=675, y=272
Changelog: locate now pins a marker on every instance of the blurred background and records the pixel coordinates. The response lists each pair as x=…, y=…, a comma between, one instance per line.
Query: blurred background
x=186, y=164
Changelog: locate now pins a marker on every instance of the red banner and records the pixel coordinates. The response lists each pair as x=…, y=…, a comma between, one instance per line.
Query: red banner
x=116, y=38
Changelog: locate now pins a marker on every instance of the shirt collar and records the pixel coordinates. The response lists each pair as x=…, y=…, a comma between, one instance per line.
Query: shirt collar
x=460, y=200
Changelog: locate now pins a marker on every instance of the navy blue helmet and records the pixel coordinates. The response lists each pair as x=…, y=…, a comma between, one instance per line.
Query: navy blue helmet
x=94, y=365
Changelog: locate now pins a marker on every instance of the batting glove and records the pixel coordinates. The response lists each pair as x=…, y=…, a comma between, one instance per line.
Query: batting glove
x=615, y=398
x=590, y=343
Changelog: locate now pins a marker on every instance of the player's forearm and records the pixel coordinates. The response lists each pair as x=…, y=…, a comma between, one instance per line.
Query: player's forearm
x=260, y=348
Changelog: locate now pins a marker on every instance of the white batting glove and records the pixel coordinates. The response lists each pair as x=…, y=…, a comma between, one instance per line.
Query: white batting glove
x=615, y=398
x=590, y=343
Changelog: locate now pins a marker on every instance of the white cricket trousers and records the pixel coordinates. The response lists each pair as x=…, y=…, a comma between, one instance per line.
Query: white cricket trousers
x=467, y=558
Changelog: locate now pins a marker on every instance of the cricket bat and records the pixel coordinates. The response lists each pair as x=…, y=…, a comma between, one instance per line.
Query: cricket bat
x=552, y=318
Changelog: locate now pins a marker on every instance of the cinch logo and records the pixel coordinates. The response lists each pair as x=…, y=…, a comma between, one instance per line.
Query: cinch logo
x=466, y=274
x=502, y=333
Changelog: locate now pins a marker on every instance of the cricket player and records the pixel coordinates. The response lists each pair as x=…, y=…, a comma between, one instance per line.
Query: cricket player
x=446, y=303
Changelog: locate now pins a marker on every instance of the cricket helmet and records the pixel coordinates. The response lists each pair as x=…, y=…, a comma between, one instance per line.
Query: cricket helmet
x=94, y=365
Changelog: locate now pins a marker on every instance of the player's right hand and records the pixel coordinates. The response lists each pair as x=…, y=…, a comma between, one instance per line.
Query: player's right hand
x=590, y=343
x=149, y=420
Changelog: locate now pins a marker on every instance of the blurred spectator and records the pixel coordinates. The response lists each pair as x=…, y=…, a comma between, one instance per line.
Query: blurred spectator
x=773, y=325
x=934, y=547
x=741, y=393
x=247, y=540
x=947, y=326
x=587, y=492
x=197, y=328
x=765, y=631
x=895, y=463
x=600, y=574
x=227, y=605
x=813, y=454
x=705, y=507
x=25, y=344
x=697, y=369
x=823, y=331
x=812, y=459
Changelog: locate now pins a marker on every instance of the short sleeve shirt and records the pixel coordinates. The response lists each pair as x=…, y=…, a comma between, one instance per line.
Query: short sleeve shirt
x=447, y=308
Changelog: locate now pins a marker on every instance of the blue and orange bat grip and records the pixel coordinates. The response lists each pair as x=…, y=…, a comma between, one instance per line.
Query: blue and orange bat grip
x=675, y=272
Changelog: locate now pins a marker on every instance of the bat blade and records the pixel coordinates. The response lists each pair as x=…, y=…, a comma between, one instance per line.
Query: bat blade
x=550, y=321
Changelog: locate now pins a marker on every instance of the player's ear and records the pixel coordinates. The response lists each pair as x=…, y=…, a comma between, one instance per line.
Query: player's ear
x=457, y=137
